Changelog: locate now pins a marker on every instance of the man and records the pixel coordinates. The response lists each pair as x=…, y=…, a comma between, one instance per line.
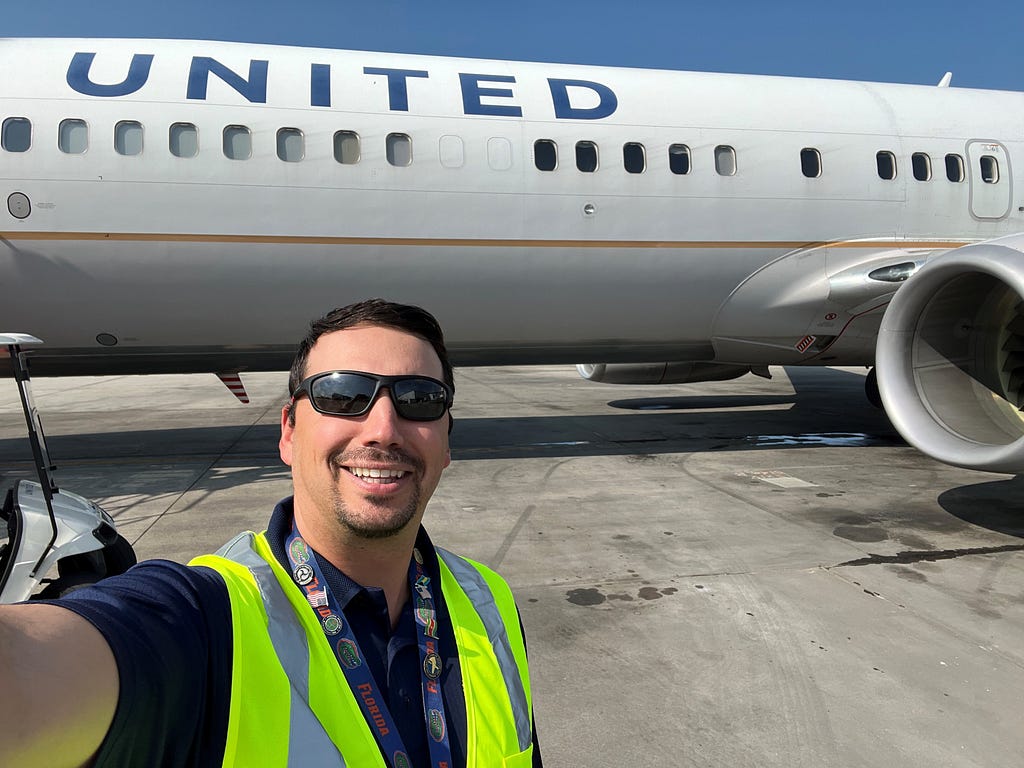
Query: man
x=340, y=636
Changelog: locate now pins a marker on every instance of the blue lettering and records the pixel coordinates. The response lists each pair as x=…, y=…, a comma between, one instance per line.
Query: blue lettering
x=254, y=88
x=398, y=94
x=81, y=63
x=472, y=93
x=565, y=110
x=320, y=85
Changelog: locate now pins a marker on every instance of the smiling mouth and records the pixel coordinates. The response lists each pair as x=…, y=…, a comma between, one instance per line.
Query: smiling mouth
x=377, y=475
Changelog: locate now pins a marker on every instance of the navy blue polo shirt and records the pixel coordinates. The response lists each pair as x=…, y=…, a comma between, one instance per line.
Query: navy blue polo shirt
x=169, y=627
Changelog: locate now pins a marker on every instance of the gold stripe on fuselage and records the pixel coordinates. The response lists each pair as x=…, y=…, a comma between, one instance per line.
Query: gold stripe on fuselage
x=475, y=242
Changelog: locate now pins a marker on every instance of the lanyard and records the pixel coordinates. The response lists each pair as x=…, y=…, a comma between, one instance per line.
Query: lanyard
x=307, y=574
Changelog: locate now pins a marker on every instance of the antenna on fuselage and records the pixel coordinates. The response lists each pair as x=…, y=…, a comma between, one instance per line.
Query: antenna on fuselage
x=946, y=78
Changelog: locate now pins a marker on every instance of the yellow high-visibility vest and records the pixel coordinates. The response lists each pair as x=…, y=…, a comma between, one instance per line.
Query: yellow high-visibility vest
x=290, y=702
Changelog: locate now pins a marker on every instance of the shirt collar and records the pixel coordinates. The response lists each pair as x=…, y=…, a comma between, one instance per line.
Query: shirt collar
x=342, y=587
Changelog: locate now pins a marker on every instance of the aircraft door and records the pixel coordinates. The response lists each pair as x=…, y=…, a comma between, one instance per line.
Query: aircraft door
x=989, y=175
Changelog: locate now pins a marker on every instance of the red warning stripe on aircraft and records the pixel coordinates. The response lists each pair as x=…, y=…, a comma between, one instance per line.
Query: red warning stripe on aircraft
x=234, y=384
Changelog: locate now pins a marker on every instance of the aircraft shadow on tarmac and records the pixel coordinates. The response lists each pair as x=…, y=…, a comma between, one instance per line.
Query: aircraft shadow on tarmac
x=997, y=505
x=827, y=408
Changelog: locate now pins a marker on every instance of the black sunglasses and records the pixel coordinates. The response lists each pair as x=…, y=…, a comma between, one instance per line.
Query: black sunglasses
x=352, y=393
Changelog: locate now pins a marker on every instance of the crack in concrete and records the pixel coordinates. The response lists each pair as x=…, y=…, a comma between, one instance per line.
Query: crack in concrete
x=917, y=556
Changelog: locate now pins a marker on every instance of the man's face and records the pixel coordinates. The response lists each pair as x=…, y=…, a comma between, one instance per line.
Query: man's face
x=331, y=456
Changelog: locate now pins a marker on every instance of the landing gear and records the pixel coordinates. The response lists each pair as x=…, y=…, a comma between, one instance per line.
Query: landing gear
x=871, y=389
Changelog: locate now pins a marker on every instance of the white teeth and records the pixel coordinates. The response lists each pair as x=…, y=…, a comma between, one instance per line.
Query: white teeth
x=386, y=474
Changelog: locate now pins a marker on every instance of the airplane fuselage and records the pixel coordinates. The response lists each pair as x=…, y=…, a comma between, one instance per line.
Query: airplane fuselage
x=321, y=177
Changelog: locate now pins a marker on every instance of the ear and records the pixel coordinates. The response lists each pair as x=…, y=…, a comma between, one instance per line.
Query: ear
x=285, y=443
x=447, y=458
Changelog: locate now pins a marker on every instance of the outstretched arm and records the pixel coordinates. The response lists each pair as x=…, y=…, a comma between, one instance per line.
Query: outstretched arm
x=58, y=687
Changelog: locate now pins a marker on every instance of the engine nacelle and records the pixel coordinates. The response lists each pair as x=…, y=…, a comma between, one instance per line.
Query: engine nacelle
x=950, y=357
x=660, y=373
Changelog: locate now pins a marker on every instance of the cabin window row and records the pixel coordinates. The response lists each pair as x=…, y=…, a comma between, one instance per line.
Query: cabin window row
x=634, y=157
x=72, y=136
x=236, y=144
x=634, y=160
x=183, y=141
x=921, y=167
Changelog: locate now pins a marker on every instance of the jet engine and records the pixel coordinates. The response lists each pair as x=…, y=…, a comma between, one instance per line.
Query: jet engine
x=950, y=357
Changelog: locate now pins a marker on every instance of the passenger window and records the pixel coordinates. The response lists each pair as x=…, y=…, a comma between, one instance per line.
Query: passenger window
x=499, y=153
x=237, y=142
x=399, y=149
x=128, y=137
x=73, y=137
x=725, y=160
x=183, y=140
x=886, y=162
x=452, y=152
x=679, y=159
x=921, y=164
x=290, y=145
x=633, y=157
x=955, y=168
x=545, y=155
x=989, y=169
x=17, y=134
x=810, y=162
x=586, y=156
x=346, y=147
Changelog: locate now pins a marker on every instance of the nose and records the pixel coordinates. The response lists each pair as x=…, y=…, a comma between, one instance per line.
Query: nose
x=382, y=424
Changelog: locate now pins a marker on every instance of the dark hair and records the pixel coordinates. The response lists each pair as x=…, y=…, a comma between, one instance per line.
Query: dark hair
x=373, y=312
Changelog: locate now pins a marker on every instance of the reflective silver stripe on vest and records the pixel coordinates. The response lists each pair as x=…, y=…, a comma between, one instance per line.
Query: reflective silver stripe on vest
x=479, y=593
x=308, y=742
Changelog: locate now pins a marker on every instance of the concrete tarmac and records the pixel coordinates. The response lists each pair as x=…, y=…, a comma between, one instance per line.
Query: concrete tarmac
x=742, y=573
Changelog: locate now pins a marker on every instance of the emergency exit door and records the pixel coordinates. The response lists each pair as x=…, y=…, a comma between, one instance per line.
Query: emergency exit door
x=990, y=180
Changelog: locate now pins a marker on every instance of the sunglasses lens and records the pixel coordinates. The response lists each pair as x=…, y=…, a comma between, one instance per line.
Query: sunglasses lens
x=344, y=394
x=419, y=399
x=351, y=394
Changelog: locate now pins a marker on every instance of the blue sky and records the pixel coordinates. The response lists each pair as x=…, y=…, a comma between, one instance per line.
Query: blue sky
x=909, y=42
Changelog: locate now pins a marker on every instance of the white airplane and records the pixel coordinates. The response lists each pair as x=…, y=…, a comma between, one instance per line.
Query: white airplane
x=186, y=206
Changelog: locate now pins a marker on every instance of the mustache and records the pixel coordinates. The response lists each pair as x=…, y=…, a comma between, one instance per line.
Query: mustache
x=347, y=458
